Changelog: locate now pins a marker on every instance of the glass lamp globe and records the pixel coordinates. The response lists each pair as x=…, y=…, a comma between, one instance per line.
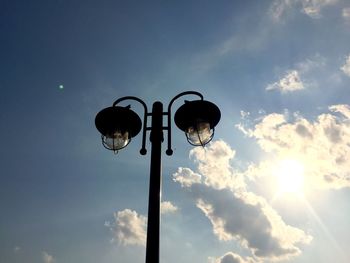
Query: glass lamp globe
x=116, y=141
x=198, y=119
x=117, y=126
x=200, y=134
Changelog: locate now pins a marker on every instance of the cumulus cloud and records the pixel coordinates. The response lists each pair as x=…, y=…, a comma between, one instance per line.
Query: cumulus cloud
x=249, y=219
x=168, y=208
x=231, y=257
x=186, y=177
x=292, y=80
x=221, y=192
x=289, y=83
x=344, y=109
x=346, y=67
x=322, y=145
x=47, y=258
x=312, y=8
x=129, y=228
x=214, y=165
x=235, y=213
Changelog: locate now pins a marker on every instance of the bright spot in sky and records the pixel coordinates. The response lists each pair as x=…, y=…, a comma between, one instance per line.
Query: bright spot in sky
x=60, y=87
x=290, y=176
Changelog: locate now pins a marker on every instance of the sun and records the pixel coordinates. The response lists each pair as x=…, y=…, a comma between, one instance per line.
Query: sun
x=290, y=176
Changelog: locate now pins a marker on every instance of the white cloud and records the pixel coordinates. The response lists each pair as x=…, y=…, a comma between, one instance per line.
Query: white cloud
x=231, y=257
x=108, y=224
x=129, y=227
x=221, y=192
x=279, y=8
x=341, y=108
x=214, y=165
x=322, y=145
x=244, y=114
x=346, y=67
x=235, y=213
x=289, y=83
x=168, y=208
x=186, y=177
x=249, y=219
x=47, y=258
x=346, y=14
x=312, y=8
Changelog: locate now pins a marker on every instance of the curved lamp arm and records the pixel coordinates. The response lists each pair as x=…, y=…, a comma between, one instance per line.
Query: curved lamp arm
x=143, y=150
x=169, y=151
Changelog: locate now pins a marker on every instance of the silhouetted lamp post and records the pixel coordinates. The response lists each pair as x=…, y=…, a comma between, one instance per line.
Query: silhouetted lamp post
x=118, y=125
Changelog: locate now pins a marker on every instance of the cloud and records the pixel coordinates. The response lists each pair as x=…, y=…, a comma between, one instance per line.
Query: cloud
x=186, y=177
x=231, y=257
x=167, y=207
x=235, y=213
x=129, y=227
x=312, y=8
x=346, y=14
x=47, y=258
x=249, y=219
x=322, y=144
x=346, y=67
x=215, y=168
x=221, y=192
x=279, y=8
x=16, y=249
x=289, y=83
x=344, y=109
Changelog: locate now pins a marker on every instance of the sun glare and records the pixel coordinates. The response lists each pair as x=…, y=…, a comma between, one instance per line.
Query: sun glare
x=290, y=176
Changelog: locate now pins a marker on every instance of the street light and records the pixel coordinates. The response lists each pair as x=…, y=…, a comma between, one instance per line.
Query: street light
x=118, y=125
x=198, y=120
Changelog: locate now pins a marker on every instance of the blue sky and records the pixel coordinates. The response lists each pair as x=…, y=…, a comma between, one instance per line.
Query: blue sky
x=272, y=186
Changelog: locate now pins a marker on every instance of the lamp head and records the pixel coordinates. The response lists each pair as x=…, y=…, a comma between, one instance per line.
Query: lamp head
x=198, y=119
x=117, y=126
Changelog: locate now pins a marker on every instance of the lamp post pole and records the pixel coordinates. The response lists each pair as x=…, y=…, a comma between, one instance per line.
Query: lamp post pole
x=156, y=138
x=118, y=125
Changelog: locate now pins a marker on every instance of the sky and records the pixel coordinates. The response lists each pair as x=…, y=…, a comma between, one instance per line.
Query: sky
x=272, y=186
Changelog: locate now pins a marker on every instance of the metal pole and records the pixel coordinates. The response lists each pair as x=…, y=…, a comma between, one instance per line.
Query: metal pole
x=156, y=138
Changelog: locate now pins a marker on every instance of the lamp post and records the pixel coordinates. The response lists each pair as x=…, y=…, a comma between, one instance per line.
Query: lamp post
x=118, y=125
